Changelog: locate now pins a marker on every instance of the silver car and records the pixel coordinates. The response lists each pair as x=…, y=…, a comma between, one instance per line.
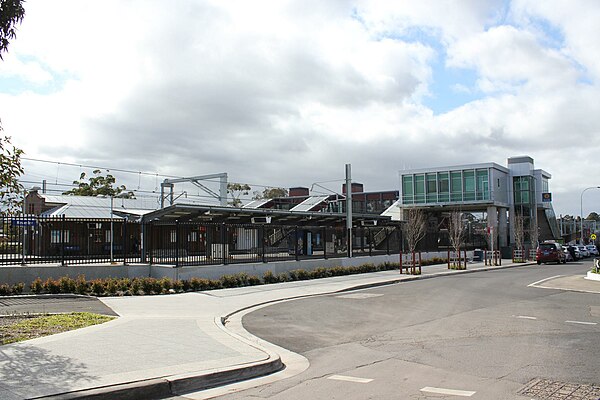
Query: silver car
x=592, y=249
x=583, y=250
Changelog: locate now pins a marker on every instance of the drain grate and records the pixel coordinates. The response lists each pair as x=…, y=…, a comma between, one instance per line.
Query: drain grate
x=542, y=389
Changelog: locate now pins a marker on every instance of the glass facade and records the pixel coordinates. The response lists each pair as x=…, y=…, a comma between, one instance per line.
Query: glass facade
x=446, y=187
x=523, y=189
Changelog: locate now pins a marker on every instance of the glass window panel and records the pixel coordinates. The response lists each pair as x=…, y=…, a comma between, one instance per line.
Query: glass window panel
x=407, y=189
x=419, y=188
x=431, y=180
x=469, y=184
x=482, y=184
x=456, y=186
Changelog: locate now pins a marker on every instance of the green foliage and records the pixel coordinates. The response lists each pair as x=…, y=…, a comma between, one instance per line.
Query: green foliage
x=11, y=190
x=269, y=277
x=5, y=290
x=235, y=191
x=81, y=285
x=11, y=14
x=67, y=285
x=98, y=185
x=270, y=193
x=37, y=286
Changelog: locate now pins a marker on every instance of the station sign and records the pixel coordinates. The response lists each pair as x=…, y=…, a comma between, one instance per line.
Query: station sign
x=23, y=222
x=546, y=197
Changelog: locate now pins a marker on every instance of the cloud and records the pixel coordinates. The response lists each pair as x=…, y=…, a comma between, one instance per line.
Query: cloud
x=285, y=93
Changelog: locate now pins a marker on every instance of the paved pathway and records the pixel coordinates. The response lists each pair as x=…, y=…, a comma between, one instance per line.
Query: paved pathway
x=164, y=344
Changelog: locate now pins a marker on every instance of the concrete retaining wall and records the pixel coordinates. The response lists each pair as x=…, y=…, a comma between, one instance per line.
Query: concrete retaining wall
x=26, y=274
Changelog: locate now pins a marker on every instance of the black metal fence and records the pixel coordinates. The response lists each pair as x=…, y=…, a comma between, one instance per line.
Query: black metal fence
x=68, y=241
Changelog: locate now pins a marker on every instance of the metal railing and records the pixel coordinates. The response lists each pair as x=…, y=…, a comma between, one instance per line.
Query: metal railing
x=69, y=241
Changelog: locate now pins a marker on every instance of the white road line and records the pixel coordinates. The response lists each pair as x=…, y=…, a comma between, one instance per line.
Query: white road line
x=349, y=379
x=359, y=296
x=581, y=322
x=525, y=317
x=543, y=280
x=451, y=392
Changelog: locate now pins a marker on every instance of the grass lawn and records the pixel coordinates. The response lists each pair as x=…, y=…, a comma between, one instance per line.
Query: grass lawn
x=18, y=328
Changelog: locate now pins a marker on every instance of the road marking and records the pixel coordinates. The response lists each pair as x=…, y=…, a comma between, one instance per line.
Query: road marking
x=581, y=322
x=451, y=392
x=349, y=379
x=534, y=284
x=359, y=296
x=525, y=317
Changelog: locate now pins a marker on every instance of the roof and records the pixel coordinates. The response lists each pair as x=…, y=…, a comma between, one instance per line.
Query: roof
x=95, y=207
x=310, y=203
x=233, y=215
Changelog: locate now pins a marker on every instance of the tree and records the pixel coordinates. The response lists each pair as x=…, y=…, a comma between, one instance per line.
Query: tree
x=236, y=190
x=270, y=193
x=593, y=216
x=98, y=185
x=11, y=14
x=415, y=228
x=519, y=231
x=10, y=170
x=456, y=231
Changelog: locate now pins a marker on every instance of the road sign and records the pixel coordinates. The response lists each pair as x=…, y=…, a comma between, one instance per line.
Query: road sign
x=593, y=236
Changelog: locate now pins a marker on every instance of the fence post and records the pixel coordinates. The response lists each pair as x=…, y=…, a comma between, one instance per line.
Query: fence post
x=387, y=242
x=263, y=240
x=62, y=240
x=176, y=243
x=124, y=241
x=296, y=242
x=370, y=241
x=223, y=244
x=324, y=242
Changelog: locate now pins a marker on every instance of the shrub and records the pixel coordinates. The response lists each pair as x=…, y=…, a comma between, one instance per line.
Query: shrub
x=67, y=285
x=229, y=281
x=186, y=285
x=18, y=288
x=293, y=274
x=214, y=284
x=111, y=285
x=81, y=285
x=135, y=286
x=253, y=280
x=123, y=284
x=178, y=286
x=268, y=277
x=283, y=277
x=147, y=285
x=97, y=287
x=5, y=290
x=166, y=284
x=319, y=273
x=303, y=274
x=37, y=286
x=52, y=286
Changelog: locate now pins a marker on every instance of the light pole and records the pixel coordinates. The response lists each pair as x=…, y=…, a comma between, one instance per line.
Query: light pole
x=584, y=190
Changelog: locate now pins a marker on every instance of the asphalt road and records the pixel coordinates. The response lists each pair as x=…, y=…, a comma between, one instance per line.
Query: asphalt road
x=482, y=335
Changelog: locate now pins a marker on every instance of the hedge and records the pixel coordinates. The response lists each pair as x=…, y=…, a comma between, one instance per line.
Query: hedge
x=151, y=286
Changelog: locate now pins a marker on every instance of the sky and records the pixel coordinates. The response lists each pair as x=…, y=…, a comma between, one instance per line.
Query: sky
x=285, y=93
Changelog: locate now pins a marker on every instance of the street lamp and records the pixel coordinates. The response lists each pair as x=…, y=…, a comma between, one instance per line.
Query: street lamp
x=591, y=187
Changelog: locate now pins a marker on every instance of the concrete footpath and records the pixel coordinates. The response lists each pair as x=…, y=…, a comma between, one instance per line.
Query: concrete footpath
x=166, y=345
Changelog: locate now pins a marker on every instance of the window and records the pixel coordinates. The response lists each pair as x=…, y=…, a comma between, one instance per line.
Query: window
x=443, y=186
x=469, y=184
x=431, y=180
x=407, y=189
x=456, y=186
x=419, y=188
x=55, y=236
x=482, y=181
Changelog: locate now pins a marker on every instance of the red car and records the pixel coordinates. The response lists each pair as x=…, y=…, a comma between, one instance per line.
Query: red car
x=550, y=252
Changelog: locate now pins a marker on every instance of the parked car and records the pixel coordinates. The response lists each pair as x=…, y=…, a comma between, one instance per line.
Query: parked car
x=568, y=255
x=583, y=250
x=578, y=255
x=550, y=252
x=593, y=250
